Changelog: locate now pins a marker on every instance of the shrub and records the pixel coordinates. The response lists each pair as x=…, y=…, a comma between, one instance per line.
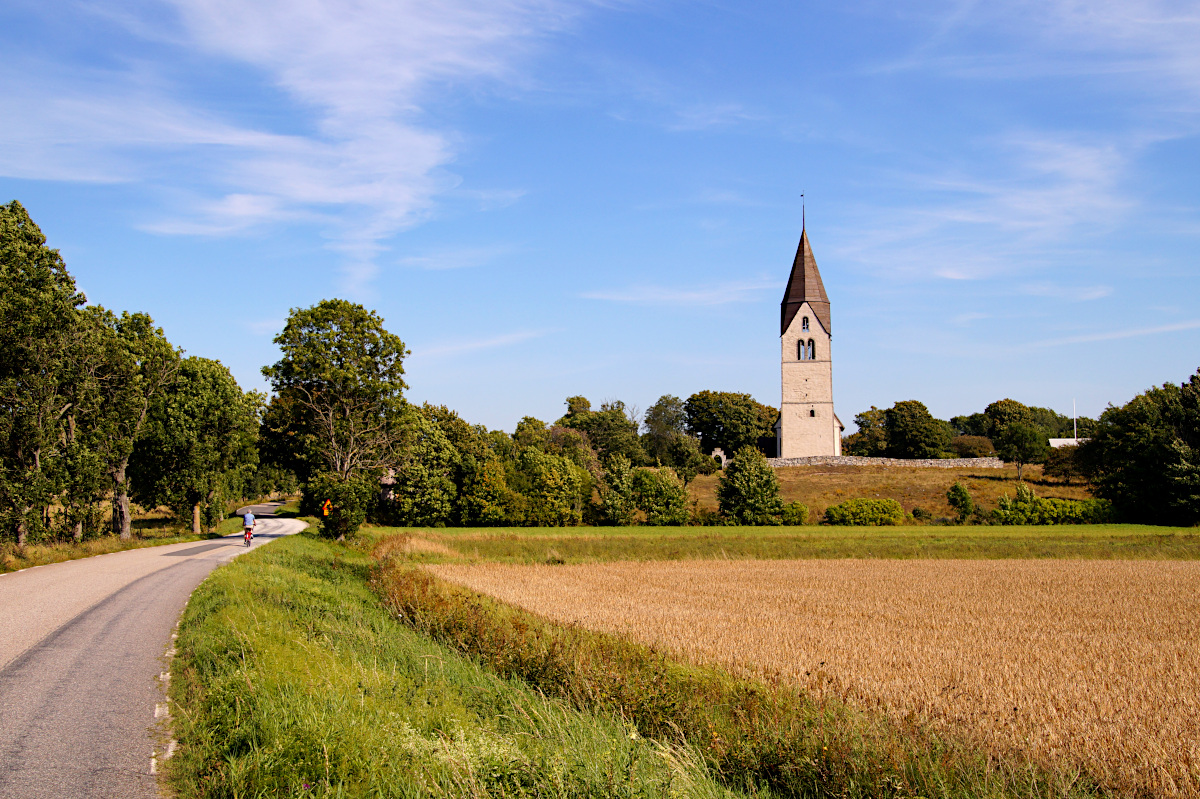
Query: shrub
x=348, y=500
x=921, y=515
x=866, y=513
x=661, y=495
x=748, y=490
x=972, y=446
x=1029, y=508
x=794, y=513
x=960, y=499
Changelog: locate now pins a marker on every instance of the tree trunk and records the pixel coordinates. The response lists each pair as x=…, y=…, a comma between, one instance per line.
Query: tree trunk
x=196, y=519
x=22, y=529
x=1019, y=465
x=121, y=521
x=77, y=531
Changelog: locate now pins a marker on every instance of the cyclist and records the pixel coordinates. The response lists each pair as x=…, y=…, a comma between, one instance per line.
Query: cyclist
x=248, y=523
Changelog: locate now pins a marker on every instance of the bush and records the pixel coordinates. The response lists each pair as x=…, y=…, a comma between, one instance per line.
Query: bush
x=960, y=499
x=866, y=513
x=748, y=490
x=921, y=515
x=794, y=513
x=972, y=446
x=348, y=501
x=661, y=495
x=1029, y=508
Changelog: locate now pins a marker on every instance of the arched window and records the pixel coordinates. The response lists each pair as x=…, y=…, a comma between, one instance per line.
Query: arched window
x=812, y=413
x=812, y=350
x=801, y=350
x=804, y=323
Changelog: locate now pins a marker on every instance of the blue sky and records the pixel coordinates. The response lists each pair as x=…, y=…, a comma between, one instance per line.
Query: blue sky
x=547, y=198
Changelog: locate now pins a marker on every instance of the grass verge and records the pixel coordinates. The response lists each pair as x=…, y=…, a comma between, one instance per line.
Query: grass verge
x=593, y=544
x=753, y=735
x=147, y=532
x=292, y=679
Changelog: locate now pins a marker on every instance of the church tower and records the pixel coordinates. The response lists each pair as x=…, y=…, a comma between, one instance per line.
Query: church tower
x=807, y=424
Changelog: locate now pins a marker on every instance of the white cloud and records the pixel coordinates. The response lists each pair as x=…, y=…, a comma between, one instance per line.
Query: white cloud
x=719, y=294
x=358, y=73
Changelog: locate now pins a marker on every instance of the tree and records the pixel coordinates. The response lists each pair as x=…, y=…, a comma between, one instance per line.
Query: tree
x=664, y=421
x=748, y=490
x=661, y=495
x=554, y=489
x=199, y=444
x=1005, y=412
x=871, y=439
x=972, y=446
x=38, y=311
x=424, y=491
x=342, y=374
x=725, y=420
x=912, y=432
x=960, y=499
x=1061, y=462
x=617, y=503
x=1021, y=443
x=977, y=424
x=1145, y=455
x=138, y=365
x=487, y=499
x=684, y=456
x=609, y=429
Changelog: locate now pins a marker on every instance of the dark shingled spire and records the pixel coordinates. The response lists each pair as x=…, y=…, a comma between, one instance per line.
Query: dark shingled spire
x=804, y=285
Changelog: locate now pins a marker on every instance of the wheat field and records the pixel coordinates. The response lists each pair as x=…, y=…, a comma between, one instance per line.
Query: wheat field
x=1091, y=665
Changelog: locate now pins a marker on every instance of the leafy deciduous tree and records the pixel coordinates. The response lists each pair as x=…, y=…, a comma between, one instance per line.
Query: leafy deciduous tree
x=748, y=489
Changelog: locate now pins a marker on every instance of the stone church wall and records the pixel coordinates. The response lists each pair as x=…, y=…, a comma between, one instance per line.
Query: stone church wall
x=855, y=460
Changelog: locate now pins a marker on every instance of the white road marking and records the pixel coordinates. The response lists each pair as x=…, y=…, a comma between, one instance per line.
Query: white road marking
x=161, y=710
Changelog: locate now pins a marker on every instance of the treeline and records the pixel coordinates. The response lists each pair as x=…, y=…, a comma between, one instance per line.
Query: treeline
x=98, y=409
x=339, y=422
x=1006, y=428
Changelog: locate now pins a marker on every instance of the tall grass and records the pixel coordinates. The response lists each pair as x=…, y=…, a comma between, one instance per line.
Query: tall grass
x=291, y=679
x=755, y=736
x=589, y=545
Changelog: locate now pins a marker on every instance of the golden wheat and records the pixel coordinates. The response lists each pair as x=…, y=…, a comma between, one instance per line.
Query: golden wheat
x=1080, y=664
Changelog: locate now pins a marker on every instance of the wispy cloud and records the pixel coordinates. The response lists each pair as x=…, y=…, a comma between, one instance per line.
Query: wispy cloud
x=451, y=349
x=718, y=294
x=1121, y=334
x=1068, y=293
x=460, y=258
x=354, y=76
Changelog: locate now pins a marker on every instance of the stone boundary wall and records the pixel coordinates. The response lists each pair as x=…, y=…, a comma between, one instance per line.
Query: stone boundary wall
x=855, y=460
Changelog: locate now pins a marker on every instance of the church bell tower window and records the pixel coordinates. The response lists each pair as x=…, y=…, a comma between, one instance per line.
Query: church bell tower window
x=812, y=350
x=804, y=323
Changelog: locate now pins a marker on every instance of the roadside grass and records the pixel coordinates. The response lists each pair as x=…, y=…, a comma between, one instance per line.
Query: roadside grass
x=292, y=679
x=756, y=736
x=818, y=487
x=150, y=530
x=596, y=544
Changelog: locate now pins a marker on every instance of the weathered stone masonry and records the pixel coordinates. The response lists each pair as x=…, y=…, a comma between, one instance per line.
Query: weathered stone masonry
x=855, y=460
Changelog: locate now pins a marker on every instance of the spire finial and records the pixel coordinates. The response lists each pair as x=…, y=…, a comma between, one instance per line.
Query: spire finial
x=802, y=220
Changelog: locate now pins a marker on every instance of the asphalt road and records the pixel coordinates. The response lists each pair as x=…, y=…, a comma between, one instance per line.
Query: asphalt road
x=84, y=652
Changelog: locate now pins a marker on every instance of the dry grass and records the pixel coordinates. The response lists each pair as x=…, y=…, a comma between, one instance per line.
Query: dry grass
x=1090, y=665
x=818, y=487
